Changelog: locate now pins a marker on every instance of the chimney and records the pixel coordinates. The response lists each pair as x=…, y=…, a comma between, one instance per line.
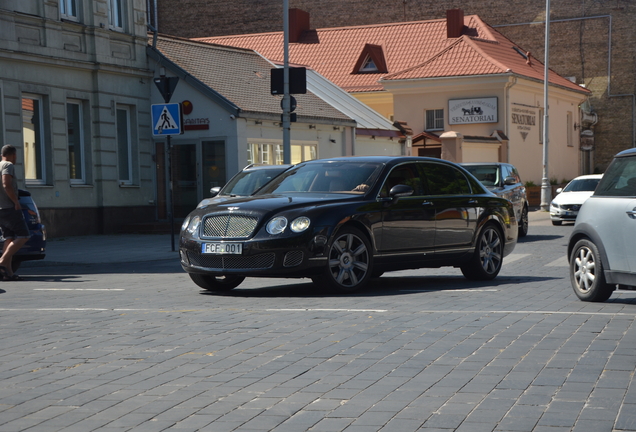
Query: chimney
x=298, y=24
x=454, y=23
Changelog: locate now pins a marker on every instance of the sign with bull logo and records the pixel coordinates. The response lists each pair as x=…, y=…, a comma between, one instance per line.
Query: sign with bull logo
x=476, y=110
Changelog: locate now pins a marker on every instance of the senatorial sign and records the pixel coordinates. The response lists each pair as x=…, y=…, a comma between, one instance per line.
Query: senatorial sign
x=475, y=110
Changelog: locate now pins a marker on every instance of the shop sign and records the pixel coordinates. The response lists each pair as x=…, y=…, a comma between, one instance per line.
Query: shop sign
x=476, y=110
x=189, y=124
x=197, y=124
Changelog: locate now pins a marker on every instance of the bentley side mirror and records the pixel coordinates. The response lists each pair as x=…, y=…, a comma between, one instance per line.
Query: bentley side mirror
x=399, y=191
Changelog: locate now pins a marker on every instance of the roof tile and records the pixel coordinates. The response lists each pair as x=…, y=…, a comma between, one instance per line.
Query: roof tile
x=418, y=49
x=240, y=76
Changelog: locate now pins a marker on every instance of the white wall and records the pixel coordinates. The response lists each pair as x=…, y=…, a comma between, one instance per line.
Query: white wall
x=515, y=96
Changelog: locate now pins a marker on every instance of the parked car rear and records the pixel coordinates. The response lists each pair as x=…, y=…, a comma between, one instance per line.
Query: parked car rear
x=503, y=180
x=35, y=248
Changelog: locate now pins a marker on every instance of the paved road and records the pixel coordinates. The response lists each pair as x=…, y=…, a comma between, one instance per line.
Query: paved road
x=107, y=335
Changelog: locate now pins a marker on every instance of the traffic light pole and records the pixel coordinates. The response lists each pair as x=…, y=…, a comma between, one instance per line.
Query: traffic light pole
x=286, y=96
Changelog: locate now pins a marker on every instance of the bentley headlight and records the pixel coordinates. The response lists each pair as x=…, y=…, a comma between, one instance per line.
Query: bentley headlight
x=300, y=224
x=277, y=225
x=185, y=223
x=194, y=225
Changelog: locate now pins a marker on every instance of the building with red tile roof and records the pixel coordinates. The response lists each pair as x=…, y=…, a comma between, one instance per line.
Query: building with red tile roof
x=413, y=70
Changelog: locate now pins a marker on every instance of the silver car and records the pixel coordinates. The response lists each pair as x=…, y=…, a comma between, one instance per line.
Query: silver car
x=601, y=247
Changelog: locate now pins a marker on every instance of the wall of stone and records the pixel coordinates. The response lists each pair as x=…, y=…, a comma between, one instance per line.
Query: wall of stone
x=581, y=40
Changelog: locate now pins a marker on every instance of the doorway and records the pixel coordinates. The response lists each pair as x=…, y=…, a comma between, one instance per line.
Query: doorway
x=196, y=167
x=185, y=184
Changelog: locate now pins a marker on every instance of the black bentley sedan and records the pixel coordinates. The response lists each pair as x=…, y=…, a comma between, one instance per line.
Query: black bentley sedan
x=342, y=221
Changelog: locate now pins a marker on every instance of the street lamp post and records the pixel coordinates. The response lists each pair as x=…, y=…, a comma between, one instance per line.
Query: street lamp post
x=546, y=189
x=286, y=96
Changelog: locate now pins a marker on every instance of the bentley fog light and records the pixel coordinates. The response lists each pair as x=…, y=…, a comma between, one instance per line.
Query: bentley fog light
x=277, y=225
x=300, y=224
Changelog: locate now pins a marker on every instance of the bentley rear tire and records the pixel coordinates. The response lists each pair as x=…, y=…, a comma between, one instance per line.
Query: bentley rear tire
x=523, y=223
x=487, y=260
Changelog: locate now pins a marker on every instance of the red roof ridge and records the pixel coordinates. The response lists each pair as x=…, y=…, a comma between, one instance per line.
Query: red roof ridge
x=483, y=28
x=460, y=40
x=481, y=52
x=324, y=29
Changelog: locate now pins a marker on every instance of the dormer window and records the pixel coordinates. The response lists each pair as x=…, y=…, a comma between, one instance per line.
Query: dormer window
x=371, y=60
x=369, y=66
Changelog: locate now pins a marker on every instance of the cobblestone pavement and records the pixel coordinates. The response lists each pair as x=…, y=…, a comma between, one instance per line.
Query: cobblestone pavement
x=109, y=334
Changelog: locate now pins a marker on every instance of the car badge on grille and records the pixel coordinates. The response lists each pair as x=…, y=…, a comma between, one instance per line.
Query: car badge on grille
x=232, y=208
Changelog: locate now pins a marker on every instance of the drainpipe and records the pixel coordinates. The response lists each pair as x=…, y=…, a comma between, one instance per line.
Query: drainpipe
x=156, y=22
x=507, y=88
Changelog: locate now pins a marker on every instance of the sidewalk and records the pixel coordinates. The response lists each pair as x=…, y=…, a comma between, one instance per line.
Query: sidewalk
x=127, y=248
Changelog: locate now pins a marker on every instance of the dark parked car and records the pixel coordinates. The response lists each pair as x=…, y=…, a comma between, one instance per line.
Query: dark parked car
x=601, y=246
x=503, y=180
x=341, y=221
x=35, y=248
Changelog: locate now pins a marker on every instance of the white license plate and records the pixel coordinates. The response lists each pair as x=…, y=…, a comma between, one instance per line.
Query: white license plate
x=222, y=248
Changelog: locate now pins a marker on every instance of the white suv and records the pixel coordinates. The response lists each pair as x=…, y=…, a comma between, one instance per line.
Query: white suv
x=601, y=248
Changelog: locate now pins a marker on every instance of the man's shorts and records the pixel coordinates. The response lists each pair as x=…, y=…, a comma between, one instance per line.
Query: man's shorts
x=13, y=225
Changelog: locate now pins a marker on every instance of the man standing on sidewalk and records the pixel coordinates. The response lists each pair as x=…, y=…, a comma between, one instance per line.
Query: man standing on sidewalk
x=14, y=228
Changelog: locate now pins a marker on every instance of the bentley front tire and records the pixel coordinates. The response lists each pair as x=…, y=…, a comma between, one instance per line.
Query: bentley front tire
x=216, y=283
x=349, y=265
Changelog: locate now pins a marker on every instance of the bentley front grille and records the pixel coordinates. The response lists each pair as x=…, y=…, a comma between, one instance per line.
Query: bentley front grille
x=256, y=262
x=229, y=225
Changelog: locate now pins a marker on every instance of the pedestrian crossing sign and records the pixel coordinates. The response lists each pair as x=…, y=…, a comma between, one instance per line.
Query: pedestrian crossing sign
x=166, y=119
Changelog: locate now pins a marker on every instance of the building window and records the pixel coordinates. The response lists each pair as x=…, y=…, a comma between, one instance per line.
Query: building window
x=303, y=152
x=272, y=154
x=369, y=65
x=75, y=134
x=33, y=138
x=116, y=14
x=435, y=119
x=570, y=128
x=267, y=154
x=124, y=145
x=68, y=9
